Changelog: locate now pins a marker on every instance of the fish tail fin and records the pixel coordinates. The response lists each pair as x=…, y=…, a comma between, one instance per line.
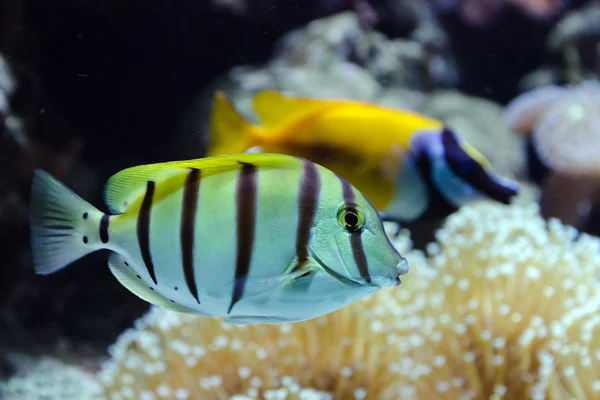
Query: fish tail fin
x=64, y=227
x=230, y=132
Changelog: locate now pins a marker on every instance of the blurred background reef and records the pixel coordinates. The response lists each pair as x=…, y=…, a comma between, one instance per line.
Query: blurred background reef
x=90, y=87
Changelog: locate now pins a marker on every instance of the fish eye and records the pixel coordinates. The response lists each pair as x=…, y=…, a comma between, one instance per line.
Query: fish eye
x=351, y=217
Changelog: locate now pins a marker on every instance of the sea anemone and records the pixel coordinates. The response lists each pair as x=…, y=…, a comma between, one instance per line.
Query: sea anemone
x=505, y=306
x=565, y=126
x=51, y=379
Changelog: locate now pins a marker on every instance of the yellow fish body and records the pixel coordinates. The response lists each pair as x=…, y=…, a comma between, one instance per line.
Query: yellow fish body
x=400, y=160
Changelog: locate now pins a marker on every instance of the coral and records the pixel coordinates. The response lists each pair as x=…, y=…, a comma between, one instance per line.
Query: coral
x=336, y=49
x=10, y=124
x=577, y=37
x=480, y=12
x=573, y=50
x=50, y=379
x=564, y=123
x=272, y=11
x=524, y=299
x=505, y=306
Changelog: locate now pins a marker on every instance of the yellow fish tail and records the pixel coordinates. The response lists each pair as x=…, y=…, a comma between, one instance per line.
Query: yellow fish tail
x=230, y=132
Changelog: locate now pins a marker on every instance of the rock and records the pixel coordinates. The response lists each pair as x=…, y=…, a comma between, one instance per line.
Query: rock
x=575, y=41
x=576, y=26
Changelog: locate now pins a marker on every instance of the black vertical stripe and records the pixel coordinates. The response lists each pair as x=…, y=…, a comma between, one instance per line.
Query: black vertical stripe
x=104, y=228
x=188, y=225
x=143, y=228
x=358, y=251
x=310, y=189
x=245, y=200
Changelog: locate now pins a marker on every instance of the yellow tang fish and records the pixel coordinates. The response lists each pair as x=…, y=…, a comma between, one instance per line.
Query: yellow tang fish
x=408, y=165
x=255, y=238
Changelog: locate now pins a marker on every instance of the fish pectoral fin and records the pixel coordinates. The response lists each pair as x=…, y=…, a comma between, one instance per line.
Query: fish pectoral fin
x=297, y=270
x=255, y=286
x=129, y=185
x=250, y=319
x=127, y=277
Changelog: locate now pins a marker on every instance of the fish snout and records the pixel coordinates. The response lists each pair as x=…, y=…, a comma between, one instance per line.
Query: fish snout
x=400, y=269
x=393, y=278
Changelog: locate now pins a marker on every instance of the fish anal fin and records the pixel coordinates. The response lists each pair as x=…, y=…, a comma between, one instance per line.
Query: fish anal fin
x=129, y=185
x=126, y=276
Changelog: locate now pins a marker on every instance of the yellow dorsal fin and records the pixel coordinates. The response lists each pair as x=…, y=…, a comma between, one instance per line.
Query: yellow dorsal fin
x=476, y=155
x=273, y=107
x=129, y=185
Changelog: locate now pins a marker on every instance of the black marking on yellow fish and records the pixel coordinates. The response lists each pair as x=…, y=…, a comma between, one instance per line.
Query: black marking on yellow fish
x=104, y=228
x=143, y=228
x=245, y=200
x=188, y=225
x=358, y=250
x=472, y=172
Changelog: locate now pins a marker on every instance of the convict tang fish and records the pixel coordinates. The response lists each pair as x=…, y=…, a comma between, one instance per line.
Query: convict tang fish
x=410, y=166
x=256, y=238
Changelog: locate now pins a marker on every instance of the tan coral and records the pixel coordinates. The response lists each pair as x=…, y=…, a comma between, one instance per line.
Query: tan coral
x=51, y=379
x=565, y=126
x=506, y=309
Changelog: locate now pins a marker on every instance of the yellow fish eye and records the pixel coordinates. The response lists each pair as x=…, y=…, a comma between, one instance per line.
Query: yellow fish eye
x=351, y=217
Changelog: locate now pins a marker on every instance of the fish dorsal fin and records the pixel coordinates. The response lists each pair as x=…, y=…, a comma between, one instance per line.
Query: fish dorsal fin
x=273, y=107
x=126, y=276
x=129, y=185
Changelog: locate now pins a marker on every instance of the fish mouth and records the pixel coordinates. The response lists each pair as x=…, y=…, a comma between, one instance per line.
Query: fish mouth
x=393, y=279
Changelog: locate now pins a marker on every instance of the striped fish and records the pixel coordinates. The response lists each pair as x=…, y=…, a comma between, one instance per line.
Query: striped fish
x=254, y=238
